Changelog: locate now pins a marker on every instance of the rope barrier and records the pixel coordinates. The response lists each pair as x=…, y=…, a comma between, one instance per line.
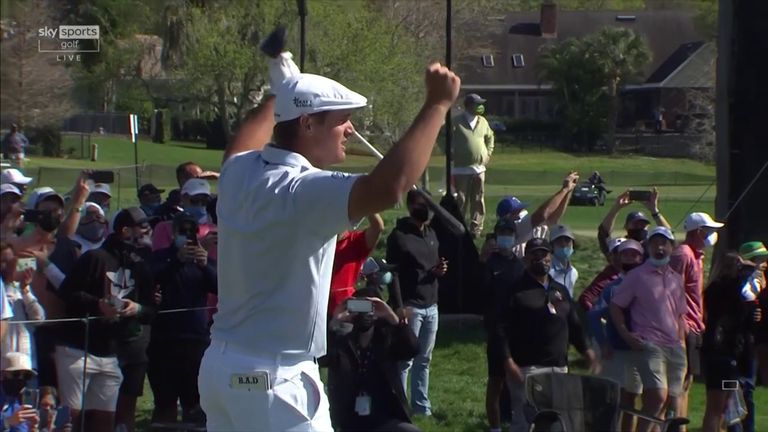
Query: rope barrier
x=60, y=320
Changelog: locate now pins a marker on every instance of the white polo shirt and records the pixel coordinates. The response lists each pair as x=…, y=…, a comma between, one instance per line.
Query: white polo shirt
x=278, y=220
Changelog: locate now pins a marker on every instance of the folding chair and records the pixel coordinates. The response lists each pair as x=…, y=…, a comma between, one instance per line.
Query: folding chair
x=576, y=403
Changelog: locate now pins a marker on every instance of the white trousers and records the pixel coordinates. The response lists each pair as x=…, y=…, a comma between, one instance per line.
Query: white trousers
x=295, y=402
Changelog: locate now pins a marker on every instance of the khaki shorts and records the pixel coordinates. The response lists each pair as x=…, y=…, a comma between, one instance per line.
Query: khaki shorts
x=620, y=368
x=661, y=367
x=102, y=380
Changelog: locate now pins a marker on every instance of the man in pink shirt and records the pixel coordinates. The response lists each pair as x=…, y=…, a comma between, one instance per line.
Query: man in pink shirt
x=195, y=196
x=654, y=296
x=688, y=261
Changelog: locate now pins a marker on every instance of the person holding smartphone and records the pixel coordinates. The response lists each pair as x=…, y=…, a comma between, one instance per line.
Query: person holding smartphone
x=18, y=407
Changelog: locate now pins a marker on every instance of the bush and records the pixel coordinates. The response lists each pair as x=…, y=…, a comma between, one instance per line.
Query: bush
x=47, y=139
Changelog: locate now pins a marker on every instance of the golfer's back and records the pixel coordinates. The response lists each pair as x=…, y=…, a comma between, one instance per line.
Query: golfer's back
x=278, y=219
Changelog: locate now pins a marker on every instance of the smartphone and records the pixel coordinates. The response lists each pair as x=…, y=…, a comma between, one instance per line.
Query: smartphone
x=33, y=216
x=63, y=418
x=29, y=397
x=102, y=176
x=640, y=196
x=359, y=306
x=23, y=264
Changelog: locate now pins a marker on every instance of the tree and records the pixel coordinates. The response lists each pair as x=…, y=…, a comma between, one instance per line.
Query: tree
x=36, y=88
x=587, y=75
x=620, y=55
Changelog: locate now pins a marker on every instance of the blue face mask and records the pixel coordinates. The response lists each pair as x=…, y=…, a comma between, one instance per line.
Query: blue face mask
x=563, y=253
x=658, y=262
x=150, y=209
x=505, y=242
x=386, y=278
x=199, y=213
x=180, y=241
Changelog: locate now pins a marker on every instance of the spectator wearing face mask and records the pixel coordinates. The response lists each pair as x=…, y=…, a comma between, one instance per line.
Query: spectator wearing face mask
x=184, y=172
x=364, y=388
x=22, y=302
x=185, y=277
x=16, y=373
x=413, y=248
x=688, y=261
x=150, y=199
x=115, y=284
x=503, y=269
x=101, y=194
x=54, y=255
x=528, y=226
x=591, y=294
x=195, y=196
x=615, y=353
x=636, y=223
x=562, y=240
x=537, y=302
x=92, y=229
x=654, y=296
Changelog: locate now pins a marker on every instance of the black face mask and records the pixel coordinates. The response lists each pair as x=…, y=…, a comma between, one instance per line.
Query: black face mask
x=539, y=268
x=363, y=322
x=639, y=234
x=421, y=214
x=626, y=268
x=13, y=386
x=49, y=223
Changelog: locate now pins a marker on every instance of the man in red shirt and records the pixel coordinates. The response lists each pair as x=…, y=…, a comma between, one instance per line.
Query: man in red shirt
x=352, y=248
x=688, y=261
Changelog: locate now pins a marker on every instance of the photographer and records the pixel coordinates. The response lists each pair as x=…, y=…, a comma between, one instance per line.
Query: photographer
x=16, y=414
x=364, y=386
x=185, y=276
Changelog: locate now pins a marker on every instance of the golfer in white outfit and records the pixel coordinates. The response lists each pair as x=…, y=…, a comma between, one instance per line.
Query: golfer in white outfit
x=279, y=212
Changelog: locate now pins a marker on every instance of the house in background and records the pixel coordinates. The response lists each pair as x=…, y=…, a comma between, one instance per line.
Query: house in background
x=508, y=77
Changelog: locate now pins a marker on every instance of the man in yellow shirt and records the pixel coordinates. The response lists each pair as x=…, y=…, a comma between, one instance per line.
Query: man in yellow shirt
x=472, y=149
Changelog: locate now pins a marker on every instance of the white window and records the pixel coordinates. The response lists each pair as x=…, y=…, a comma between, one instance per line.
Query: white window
x=488, y=60
x=518, y=61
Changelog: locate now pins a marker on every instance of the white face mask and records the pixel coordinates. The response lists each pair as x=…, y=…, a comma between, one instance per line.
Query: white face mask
x=711, y=240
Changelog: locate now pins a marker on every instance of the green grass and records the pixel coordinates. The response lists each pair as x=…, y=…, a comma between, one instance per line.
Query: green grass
x=458, y=368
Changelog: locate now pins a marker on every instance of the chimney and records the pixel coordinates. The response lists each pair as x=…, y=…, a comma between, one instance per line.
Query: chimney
x=548, y=21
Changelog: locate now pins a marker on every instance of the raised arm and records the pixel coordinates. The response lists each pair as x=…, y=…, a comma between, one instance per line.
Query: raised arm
x=403, y=165
x=605, y=228
x=75, y=206
x=255, y=131
x=548, y=210
x=653, y=206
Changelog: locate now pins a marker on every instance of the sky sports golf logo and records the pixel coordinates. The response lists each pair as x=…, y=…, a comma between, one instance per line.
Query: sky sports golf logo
x=69, y=42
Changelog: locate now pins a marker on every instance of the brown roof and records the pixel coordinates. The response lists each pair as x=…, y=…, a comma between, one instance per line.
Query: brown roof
x=665, y=31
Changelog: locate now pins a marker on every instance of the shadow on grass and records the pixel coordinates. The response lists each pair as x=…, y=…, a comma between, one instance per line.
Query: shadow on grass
x=460, y=330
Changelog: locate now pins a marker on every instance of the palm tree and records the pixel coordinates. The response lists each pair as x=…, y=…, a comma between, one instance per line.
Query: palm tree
x=620, y=54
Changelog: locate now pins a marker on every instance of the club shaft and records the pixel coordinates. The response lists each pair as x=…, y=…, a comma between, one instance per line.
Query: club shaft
x=372, y=149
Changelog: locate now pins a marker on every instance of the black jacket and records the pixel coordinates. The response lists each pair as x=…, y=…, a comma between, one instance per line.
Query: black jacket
x=114, y=265
x=390, y=345
x=502, y=273
x=530, y=333
x=415, y=253
x=183, y=286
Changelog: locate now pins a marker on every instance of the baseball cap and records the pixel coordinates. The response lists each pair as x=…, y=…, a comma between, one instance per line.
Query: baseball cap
x=635, y=216
x=662, y=231
x=698, y=220
x=149, y=189
x=129, y=217
x=309, y=94
x=473, y=98
x=17, y=361
x=509, y=205
x=41, y=194
x=560, y=231
x=535, y=244
x=9, y=188
x=614, y=243
x=631, y=244
x=12, y=175
x=376, y=265
x=196, y=186
x=89, y=204
x=100, y=188
x=753, y=249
